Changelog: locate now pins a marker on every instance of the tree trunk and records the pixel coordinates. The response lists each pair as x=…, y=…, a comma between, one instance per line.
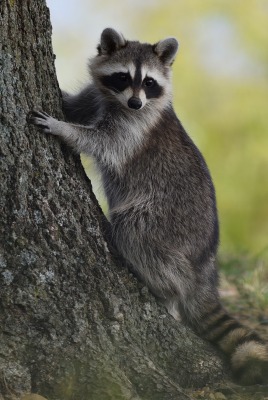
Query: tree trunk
x=74, y=323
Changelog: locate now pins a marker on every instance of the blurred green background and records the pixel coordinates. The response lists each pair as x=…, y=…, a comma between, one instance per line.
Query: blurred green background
x=220, y=82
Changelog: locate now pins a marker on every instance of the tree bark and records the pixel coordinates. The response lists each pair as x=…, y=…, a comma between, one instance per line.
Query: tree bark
x=74, y=323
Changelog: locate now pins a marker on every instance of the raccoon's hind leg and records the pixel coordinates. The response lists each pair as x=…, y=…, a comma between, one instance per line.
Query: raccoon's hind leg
x=172, y=307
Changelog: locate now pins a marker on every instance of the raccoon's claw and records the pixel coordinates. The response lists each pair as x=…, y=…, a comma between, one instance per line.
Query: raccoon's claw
x=41, y=119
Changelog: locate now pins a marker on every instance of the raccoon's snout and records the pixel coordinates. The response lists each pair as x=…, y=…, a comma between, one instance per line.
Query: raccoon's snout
x=134, y=102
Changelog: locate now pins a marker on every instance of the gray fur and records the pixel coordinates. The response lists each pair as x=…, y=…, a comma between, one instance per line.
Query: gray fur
x=161, y=198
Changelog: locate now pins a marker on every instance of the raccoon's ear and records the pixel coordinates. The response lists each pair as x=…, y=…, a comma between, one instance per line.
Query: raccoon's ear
x=110, y=41
x=166, y=50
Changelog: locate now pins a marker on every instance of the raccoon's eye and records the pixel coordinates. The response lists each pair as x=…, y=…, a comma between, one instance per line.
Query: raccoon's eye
x=149, y=82
x=123, y=77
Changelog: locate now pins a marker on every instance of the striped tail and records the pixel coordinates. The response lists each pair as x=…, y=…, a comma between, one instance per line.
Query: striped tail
x=247, y=351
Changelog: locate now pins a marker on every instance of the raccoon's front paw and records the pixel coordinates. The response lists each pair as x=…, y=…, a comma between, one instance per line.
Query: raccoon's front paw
x=42, y=120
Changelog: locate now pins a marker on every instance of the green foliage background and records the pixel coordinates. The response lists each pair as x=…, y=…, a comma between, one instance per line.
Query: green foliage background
x=220, y=91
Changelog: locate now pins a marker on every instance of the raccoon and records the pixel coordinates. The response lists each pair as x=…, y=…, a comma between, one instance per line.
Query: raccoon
x=161, y=198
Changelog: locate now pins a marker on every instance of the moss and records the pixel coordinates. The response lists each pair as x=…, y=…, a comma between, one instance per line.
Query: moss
x=12, y=3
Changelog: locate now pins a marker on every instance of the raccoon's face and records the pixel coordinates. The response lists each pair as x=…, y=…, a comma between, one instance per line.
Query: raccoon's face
x=132, y=73
x=133, y=85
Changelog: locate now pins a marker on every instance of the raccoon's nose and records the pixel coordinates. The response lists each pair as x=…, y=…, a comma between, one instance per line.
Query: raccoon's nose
x=134, y=102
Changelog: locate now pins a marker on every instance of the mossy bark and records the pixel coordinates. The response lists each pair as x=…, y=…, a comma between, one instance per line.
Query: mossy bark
x=74, y=324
